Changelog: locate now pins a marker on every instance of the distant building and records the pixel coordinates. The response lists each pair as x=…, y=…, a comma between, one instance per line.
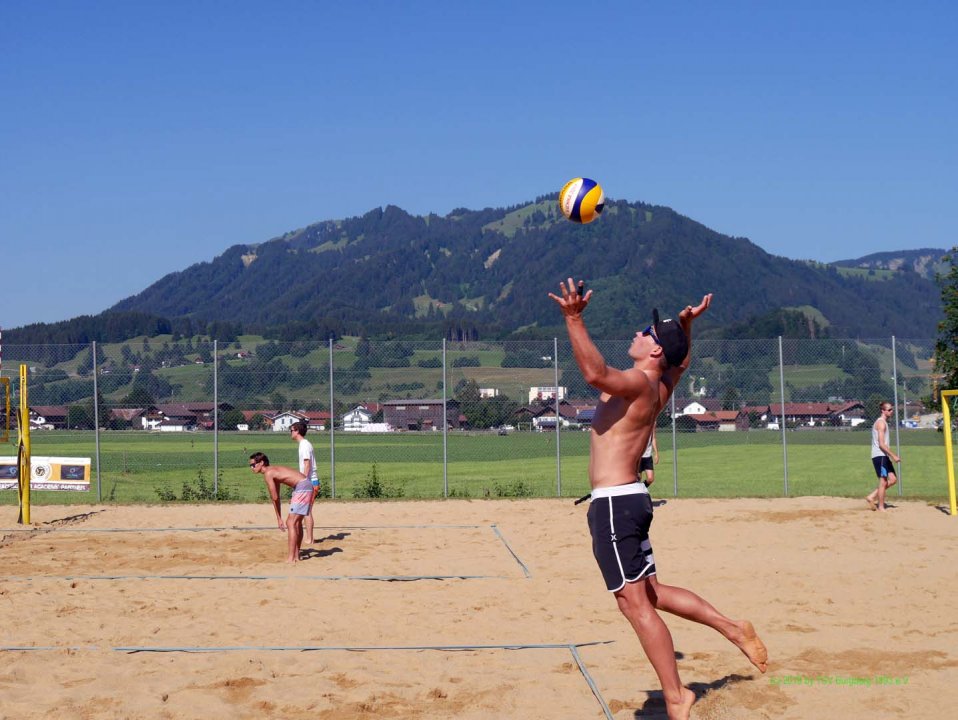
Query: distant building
x=48, y=417
x=357, y=419
x=543, y=416
x=417, y=414
x=718, y=421
x=487, y=393
x=545, y=392
x=696, y=406
x=849, y=413
x=315, y=420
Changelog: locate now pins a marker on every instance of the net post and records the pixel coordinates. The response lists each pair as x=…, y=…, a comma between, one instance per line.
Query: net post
x=946, y=395
x=23, y=455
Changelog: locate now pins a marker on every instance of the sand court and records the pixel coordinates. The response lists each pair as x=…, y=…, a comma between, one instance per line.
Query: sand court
x=391, y=552
x=483, y=608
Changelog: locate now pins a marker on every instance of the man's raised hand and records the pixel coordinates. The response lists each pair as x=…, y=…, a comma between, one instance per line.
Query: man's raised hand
x=574, y=297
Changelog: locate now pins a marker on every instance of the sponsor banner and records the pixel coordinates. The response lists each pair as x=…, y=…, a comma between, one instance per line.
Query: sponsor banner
x=48, y=473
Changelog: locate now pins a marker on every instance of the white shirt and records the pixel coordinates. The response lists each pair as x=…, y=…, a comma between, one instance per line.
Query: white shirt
x=306, y=453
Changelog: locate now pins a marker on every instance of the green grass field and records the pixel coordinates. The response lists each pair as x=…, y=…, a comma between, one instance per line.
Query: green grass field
x=135, y=465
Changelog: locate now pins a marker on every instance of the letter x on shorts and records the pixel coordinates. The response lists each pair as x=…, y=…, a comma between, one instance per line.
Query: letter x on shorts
x=619, y=520
x=302, y=494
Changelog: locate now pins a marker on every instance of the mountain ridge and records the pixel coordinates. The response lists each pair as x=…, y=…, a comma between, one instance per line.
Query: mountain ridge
x=487, y=272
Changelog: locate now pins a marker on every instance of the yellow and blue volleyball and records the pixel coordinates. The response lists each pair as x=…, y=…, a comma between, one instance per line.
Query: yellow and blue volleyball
x=581, y=200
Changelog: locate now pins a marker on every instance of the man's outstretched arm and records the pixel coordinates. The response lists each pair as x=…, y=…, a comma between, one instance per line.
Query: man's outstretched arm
x=595, y=371
x=686, y=318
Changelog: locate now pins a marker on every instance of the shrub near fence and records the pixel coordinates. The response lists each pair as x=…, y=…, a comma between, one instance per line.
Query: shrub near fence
x=258, y=384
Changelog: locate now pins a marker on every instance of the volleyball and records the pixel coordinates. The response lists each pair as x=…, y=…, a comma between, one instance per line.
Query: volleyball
x=581, y=200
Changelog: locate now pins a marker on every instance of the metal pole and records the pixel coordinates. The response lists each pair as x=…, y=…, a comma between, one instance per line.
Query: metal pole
x=216, y=425
x=894, y=382
x=96, y=424
x=332, y=427
x=555, y=367
x=675, y=454
x=781, y=381
x=445, y=425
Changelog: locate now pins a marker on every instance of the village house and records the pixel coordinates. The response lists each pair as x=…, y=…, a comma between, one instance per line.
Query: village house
x=696, y=406
x=539, y=394
x=357, y=419
x=180, y=417
x=127, y=416
x=360, y=419
x=417, y=414
x=48, y=417
x=543, y=416
x=846, y=413
x=713, y=421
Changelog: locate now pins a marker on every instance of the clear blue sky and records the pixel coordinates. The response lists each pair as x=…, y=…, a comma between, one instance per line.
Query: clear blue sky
x=138, y=138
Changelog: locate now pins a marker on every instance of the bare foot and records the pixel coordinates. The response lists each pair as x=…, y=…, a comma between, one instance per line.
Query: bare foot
x=871, y=502
x=292, y=560
x=750, y=644
x=681, y=710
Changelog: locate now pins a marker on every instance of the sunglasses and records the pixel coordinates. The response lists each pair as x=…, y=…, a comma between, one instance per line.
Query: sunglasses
x=651, y=333
x=253, y=464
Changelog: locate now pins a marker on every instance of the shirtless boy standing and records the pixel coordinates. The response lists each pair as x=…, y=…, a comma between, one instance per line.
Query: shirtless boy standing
x=274, y=476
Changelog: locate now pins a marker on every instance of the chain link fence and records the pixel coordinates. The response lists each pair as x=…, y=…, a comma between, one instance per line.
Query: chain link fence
x=177, y=418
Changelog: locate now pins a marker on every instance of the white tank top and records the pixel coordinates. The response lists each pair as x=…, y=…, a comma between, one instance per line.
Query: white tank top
x=876, y=450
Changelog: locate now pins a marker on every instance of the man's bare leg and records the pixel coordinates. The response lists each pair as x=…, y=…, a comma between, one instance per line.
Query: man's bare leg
x=686, y=604
x=656, y=640
x=308, y=523
x=294, y=533
x=885, y=484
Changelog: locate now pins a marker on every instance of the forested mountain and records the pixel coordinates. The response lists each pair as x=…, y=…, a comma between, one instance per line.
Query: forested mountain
x=486, y=273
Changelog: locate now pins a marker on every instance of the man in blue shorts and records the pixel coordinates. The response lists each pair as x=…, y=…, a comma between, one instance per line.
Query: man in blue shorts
x=302, y=497
x=883, y=459
x=620, y=514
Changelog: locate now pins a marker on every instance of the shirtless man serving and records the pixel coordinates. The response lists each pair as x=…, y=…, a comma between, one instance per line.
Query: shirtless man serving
x=620, y=513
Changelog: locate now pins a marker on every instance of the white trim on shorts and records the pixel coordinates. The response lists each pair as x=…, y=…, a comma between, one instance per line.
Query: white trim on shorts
x=633, y=488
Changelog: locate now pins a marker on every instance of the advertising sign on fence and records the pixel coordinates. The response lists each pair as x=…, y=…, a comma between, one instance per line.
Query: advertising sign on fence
x=48, y=473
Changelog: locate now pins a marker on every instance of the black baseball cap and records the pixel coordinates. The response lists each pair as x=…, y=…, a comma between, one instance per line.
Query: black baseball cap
x=672, y=339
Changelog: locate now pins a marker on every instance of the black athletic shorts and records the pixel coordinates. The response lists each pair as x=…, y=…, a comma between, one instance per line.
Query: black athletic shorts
x=645, y=464
x=883, y=466
x=619, y=520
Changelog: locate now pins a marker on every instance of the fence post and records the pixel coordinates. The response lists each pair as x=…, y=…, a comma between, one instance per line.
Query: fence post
x=332, y=426
x=675, y=453
x=96, y=424
x=445, y=426
x=781, y=382
x=216, y=424
x=894, y=381
x=555, y=398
